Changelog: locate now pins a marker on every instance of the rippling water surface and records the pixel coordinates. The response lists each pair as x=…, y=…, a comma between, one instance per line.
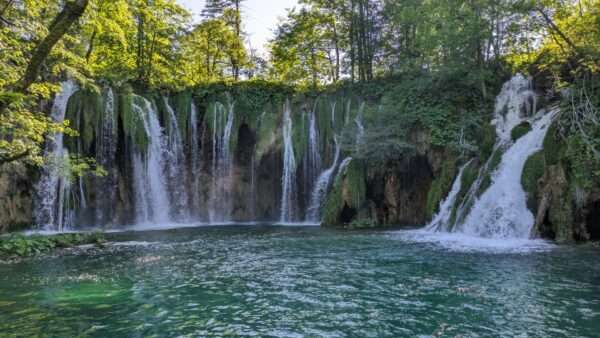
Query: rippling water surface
x=301, y=281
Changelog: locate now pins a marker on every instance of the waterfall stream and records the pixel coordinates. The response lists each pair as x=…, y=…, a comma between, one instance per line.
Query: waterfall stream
x=220, y=202
x=176, y=164
x=150, y=183
x=53, y=189
x=313, y=212
x=288, y=178
x=442, y=219
x=501, y=212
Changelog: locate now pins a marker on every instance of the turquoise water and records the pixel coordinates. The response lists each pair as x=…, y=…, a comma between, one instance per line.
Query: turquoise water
x=301, y=281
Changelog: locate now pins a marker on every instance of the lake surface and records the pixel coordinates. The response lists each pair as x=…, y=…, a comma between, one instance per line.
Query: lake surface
x=302, y=281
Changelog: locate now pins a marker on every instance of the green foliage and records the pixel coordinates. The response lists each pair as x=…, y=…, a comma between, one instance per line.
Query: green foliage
x=21, y=246
x=532, y=172
x=448, y=108
x=440, y=186
x=518, y=131
x=470, y=174
x=553, y=145
x=349, y=187
x=486, y=139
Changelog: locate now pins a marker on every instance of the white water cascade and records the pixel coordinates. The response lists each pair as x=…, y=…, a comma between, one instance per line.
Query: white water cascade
x=150, y=181
x=515, y=103
x=175, y=163
x=312, y=160
x=313, y=212
x=442, y=219
x=501, y=212
x=53, y=189
x=360, y=128
x=195, y=148
x=288, y=179
x=106, y=149
x=220, y=203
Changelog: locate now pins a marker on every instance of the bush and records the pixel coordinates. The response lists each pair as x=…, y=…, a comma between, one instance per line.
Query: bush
x=22, y=246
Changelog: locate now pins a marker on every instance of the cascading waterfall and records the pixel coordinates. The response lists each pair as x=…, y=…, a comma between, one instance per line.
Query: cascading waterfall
x=194, y=155
x=52, y=210
x=220, y=203
x=313, y=212
x=150, y=182
x=288, y=179
x=442, y=218
x=501, y=212
x=515, y=102
x=175, y=163
x=106, y=149
x=360, y=128
x=312, y=160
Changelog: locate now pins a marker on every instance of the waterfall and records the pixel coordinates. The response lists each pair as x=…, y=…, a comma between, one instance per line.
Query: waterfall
x=195, y=165
x=333, y=105
x=150, y=183
x=288, y=179
x=220, y=203
x=501, y=212
x=516, y=102
x=313, y=212
x=175, y=163
x=344, y=165
x=442, y=218
x=106, y=149
x=312, y=160
x=52, y=205
x=360, y=128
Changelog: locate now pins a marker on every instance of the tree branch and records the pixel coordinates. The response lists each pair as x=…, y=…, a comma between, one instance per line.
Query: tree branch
x=72, y=11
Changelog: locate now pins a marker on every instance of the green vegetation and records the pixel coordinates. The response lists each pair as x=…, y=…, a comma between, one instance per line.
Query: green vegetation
x=532, y=172
x=440, y=186
x=520, y=130
x=430, y=65
x=21, y=246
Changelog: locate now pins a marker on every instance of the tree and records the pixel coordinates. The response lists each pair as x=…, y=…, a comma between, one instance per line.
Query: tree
x=231, y=12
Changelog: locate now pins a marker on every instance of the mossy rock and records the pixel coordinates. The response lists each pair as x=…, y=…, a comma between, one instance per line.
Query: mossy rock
x=532, y=172
x=487, y=140
x=469, y=176
x=520, y=130
x=349, y=189
x=440, y=186
x=553, y=147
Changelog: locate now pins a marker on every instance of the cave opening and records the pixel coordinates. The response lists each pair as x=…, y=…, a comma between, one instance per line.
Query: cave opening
x=245, y=146
x=593, y=222
x=347, y=214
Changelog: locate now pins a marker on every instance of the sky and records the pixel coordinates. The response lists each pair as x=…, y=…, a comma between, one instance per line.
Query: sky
x=260, y=17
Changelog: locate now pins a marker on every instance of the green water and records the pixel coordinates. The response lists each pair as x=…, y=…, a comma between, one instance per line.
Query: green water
x=297, y=282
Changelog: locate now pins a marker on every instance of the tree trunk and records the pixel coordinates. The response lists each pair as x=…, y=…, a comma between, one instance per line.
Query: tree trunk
x=72, y=11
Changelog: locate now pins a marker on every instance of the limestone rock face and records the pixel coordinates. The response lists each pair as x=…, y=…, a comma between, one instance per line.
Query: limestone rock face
x=16, y=186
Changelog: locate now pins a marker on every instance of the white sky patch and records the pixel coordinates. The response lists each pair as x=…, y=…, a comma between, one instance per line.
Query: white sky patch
x=260, y=17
